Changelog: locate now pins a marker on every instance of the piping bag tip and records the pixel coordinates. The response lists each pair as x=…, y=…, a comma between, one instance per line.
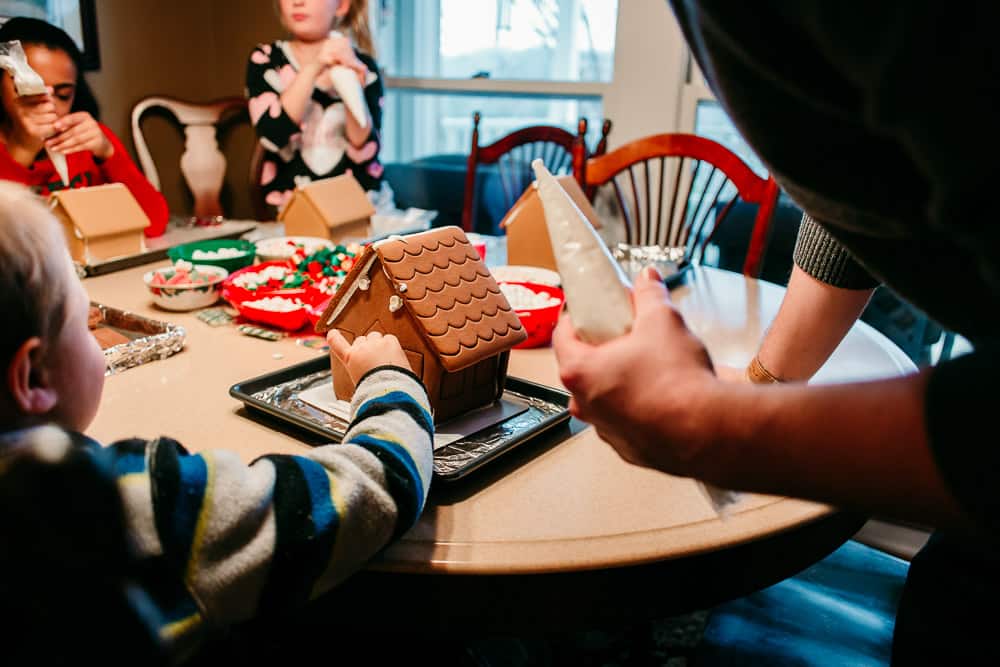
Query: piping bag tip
x=59, y=162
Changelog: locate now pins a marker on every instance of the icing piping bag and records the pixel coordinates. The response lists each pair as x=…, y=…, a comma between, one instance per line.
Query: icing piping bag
x=345, y=81
x=596, y=289
x=597, y=292
x=28, y=82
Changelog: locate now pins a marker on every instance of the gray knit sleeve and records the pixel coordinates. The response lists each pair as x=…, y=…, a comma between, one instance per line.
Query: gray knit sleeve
x=825, y=259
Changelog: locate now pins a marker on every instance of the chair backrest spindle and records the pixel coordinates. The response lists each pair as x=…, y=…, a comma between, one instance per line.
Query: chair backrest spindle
x=202, y=164
x=562, y=152
x=707, y=195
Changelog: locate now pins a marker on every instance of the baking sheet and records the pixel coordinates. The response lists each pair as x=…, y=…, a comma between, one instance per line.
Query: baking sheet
x=149, y=340
x=322, y=396
x=527, y=410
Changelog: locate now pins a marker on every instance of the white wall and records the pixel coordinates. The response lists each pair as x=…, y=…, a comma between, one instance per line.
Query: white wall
x=650, y=58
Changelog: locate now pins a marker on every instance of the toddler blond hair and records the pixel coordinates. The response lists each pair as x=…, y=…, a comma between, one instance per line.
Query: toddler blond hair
x=33, y=270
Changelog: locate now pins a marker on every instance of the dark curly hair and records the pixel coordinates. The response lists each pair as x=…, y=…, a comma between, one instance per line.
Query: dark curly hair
x=36, y=31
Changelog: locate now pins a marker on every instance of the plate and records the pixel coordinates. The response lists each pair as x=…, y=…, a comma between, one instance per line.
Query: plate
x=539, y=409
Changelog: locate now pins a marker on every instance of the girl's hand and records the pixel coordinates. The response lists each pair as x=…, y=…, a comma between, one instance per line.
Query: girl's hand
x=366, y=352
x=80, y=132
x=33, y=120
x=338, y=51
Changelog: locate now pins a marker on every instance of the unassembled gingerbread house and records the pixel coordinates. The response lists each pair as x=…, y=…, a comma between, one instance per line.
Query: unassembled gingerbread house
x=434, y=293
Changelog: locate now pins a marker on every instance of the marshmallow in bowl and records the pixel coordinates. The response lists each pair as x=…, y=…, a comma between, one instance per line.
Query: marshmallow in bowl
x=221, y=253
x=276, y=304
x=523, y=298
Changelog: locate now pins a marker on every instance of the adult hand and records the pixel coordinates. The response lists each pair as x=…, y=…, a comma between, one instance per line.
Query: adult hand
x=648, y=393
x=340, y=51
x=732, y=374
x=366, y=352
x=80, y=132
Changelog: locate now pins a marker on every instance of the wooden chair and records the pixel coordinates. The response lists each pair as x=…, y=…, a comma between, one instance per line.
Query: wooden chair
x=202, y=165
x=649, y=180
x=562, y=152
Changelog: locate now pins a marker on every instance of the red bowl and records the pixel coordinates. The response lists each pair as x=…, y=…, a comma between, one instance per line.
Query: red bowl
x=539, y=323
x=292, y=320
x=236, y=295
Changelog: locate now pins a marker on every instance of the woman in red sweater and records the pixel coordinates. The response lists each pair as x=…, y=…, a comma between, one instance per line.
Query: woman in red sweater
x=63, y=120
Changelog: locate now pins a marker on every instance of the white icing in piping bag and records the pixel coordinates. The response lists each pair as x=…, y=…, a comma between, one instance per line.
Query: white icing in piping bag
x=28, y=82
x=345, y=81
x=59, y=162
x=596, y=289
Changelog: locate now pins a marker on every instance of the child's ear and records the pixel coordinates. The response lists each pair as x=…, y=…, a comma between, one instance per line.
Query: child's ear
x=343, y=8
x=27, y=380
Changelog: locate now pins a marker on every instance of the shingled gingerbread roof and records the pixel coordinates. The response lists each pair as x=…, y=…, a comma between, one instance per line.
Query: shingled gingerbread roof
x=451, y=295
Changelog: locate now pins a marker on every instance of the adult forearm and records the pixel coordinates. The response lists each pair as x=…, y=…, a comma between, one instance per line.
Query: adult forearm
x=860, y=445
x=814, y=317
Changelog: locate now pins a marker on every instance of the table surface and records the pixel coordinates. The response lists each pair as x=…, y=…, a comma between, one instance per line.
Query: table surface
x=569, y=505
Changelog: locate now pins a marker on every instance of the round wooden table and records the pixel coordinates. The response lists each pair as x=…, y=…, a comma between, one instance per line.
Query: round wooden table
x=560, y=532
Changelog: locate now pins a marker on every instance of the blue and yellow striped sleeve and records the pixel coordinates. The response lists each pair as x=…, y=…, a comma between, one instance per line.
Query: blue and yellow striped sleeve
x=231, y=540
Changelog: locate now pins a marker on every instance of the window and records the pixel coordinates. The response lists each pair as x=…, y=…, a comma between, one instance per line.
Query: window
x=519, y=62
x=420, y=123
x=713, y=122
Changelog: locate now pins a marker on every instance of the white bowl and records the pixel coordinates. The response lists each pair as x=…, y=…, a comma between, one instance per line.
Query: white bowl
x=186, y=297
x=279, y=247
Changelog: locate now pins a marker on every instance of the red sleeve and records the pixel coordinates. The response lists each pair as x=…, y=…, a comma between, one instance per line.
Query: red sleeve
x=119, y=168
x=10, y=170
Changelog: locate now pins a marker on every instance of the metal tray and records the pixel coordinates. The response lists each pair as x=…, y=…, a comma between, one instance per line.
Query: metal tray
x=148, y=339
x=276, y=394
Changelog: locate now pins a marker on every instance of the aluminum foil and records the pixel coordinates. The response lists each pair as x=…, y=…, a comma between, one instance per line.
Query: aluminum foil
x=634, y=258
x=150, y=339
x=447, y=459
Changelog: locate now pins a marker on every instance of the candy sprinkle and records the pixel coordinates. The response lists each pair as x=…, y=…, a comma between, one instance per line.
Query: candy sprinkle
x=257, y=332
x=314, y=344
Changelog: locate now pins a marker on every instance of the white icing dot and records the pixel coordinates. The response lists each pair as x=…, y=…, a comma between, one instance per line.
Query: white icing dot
x=401, y=287
x=395, y=303
x=364, y=284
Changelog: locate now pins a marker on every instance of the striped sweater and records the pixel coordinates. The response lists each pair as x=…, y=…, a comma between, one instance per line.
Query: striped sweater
x=219, y=541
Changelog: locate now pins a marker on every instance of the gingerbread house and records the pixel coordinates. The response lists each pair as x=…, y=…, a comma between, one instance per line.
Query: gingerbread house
x=434, y=293
x=101, y=222
x=336, y=208
x=528, y=242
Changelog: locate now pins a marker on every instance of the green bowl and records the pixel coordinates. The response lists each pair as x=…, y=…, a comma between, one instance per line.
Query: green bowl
x=187, y=252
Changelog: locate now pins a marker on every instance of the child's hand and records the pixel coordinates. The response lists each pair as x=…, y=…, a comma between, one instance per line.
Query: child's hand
x=366, y=352
x=338, y=51
x=80, y=132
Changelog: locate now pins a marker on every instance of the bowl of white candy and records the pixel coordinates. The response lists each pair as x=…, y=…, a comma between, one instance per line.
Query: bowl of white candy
x=289, y=313
x=538, y=308
x=230, y=254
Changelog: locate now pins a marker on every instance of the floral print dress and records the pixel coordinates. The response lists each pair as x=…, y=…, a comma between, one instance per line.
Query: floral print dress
x=318, y=148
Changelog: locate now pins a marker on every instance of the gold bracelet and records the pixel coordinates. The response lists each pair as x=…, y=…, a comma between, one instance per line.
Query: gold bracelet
x=757, y=374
